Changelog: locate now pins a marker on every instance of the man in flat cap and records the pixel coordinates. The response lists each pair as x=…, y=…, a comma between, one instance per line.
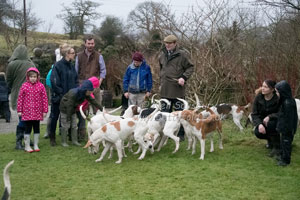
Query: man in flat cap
x=175, y=70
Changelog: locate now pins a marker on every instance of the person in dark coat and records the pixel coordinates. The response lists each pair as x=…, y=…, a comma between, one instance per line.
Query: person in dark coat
x=4, y=102
x=175, y=69
x=265, y=114
x=68, y=105
x=287, y=121
x=18, y=64
x=63, y=78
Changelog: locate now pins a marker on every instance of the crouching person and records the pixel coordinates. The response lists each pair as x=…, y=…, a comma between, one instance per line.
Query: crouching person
x=67, y=107
x=287, y=121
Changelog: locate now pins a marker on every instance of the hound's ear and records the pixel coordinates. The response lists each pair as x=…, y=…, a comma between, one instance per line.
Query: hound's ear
x=89, y=143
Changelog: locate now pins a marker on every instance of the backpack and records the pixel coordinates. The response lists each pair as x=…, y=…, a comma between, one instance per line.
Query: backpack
x=48, y=80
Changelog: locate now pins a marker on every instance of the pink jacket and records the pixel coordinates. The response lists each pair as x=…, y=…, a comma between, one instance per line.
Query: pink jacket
x=32, y=100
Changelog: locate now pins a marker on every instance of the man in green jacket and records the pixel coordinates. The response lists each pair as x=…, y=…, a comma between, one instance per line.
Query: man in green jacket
x=18, y=64
x=175, y=70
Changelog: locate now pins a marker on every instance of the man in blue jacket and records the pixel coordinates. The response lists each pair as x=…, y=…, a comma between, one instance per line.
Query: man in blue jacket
x=137, y=81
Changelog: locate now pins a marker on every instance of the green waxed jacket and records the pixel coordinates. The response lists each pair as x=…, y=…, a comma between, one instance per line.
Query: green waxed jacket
x=18, y=64
x=173, y=67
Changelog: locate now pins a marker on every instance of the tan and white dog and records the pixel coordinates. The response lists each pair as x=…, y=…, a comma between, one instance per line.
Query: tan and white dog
x=203, y=128
x=114, y=133
x=223, y=110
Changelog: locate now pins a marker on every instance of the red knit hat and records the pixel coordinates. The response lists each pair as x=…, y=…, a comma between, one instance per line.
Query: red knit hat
x=137, y=56
x=95, y=82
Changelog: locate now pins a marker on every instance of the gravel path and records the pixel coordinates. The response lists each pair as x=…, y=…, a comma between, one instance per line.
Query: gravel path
x=11, y=127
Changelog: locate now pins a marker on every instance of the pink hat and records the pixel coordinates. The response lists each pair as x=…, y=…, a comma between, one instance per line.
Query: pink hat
x=137, y=56
x=95, y=81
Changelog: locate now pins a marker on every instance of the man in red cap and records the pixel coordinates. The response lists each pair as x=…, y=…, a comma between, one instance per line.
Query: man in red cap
x=137, y=81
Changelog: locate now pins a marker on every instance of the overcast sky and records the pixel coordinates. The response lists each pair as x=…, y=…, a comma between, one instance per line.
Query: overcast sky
x=48, y=9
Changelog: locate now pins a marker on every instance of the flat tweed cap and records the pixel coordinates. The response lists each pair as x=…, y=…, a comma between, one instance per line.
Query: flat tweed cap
x=170, y=38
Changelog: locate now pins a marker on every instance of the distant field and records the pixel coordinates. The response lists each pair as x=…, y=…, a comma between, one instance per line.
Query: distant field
x=36, y=38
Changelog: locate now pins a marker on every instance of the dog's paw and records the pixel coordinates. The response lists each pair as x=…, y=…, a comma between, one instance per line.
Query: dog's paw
x=118, y=162
x=201, y=158
x=98, y=160
x=193, y=152
x=140, y=158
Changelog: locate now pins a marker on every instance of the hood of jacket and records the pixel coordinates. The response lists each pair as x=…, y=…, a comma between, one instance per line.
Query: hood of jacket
x=20, y=53
x=284, y=90
x=35, y=70
x=86, y=85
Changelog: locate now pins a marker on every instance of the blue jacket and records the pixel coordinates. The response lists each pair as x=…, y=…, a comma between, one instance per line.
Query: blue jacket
x=137, y=79
x=63, y=78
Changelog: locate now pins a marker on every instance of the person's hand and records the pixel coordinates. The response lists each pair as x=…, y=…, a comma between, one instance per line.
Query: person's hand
x=126, y=95
x=44, y=115
x=261, y=129
x=181, y=81
x=266, y=120
x=19, y=114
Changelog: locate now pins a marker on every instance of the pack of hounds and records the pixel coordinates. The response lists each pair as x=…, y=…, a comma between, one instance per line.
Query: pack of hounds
x=150, y=128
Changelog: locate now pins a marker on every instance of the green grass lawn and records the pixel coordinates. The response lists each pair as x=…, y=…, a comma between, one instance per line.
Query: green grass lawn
x=242, y=170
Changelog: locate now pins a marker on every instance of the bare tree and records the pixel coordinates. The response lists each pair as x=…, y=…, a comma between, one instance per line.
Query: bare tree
x=78, y=17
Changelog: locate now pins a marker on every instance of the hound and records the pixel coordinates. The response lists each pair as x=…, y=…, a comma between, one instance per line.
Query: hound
x=7, y=185
x=203, y=128
x=114, y=133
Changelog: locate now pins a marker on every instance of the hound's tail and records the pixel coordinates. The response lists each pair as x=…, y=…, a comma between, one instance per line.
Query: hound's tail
x=186, y=104
x=7, y=185
x=115, y=110
x=82, y=114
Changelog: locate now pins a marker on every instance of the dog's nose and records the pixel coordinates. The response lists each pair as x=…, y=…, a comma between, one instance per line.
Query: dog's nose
x=150, y=147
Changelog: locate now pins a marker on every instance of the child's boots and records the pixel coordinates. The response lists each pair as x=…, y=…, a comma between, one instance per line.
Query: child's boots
x=28, y=149
x=36, y=142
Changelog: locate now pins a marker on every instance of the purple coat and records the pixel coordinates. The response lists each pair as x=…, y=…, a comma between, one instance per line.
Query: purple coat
x=32, y=100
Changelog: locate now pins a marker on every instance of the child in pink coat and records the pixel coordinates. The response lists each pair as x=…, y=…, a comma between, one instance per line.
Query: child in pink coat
x=32, y=107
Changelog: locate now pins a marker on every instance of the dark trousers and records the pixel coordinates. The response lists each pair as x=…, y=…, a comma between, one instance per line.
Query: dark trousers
x=32, y=124
x=54, y=115
x=177, y=105
x=4, y=107
x=270, y=130
x=286, y=140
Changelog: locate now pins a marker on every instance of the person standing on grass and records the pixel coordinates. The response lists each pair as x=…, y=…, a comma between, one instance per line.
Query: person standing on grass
x=137, y=81
x=18, y=64
x=287, y=121
x=265, y=114
x=32, y=107
x=63, y=78
x=4, y=93
x=90, y=63
x=68, y=106
x=175, y=69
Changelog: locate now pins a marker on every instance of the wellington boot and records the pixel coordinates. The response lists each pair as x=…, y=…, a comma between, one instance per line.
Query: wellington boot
x=36, y=137
x=19, y=138
x=74, y=135
x=27, y=143
x=81, y=134
x=64, y=135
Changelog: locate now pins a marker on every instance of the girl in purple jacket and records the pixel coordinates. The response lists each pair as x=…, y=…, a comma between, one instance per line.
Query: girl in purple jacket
x=32, y=107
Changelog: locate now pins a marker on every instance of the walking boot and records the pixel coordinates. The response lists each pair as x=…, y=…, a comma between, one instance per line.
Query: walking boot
x=19, y=137
x=28, y=149
x=81, y=134
x=52, y=142
x=36, y=142
x=275, y=152
x=47, y=133
x=64, y=135
x=74, y=135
